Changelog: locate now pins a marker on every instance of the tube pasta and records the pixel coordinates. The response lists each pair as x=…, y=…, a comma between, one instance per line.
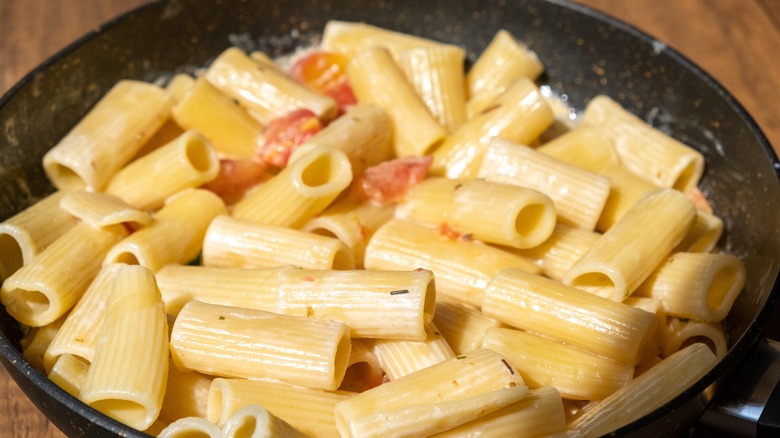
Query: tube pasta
x=238, y=287
x=561, y=250
x=426, y=402
x=108, y=137
x=235, y=243
x=308, y=410
x=364, y=369
x=232, y=131
x=374, y=304
x=699, y=286
x=186, y=395
x=647, y=392
x=526, y=218
x=254, y=421
x=519, y=115
x=462, y=325
x=52, y=283
x=352, y=222
x=376, y=78
x=364, y=133
x=540, y=414
x=79, y=333
x=179, y=85
x=462, y=268
x=609, y=268
x=502, y=62
x=351, y=38
x=258, y=344
x=579, y=195
x=127, y=378
x=576, y=373
x=549, y=308
x=263, y=90
x=436, y=73
x=645, y=150
x=592, y=149
x=37, y=340
x=26, y=234
x=189, y=161
x=677, y=334
x=175, y=236
x=703, y=235
x=299, y=192
x=191, y=427
x=400, y=357
x=69, y=373
x=101, y=210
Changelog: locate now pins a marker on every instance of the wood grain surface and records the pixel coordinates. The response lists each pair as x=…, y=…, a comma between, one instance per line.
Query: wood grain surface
x=736, y=41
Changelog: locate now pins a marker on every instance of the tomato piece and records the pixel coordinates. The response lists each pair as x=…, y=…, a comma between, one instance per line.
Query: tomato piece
x=324, y=72
x=342, y=93
x=285, y=133
x=389, y=181
x=236, y=177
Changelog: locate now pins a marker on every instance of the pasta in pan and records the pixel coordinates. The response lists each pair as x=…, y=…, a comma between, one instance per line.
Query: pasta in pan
x=375, y=236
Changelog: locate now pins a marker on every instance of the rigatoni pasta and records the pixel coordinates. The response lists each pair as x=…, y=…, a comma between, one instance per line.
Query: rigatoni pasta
x=460, y=307
x=377, y=79
x=235, y=243
x=29, y=232
x=609, y=267
x=258, y=344
x=462, y=267
x=502, y=62
x=264, y=91
x=547, y=307
x=188, y=161
x=126, y=380
x=108, y=137
x=299, y=192
x=525, y=220
x=374, y=304
x=52, y=283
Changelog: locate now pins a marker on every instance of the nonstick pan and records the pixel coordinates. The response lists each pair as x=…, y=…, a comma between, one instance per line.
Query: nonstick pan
x=653, y=81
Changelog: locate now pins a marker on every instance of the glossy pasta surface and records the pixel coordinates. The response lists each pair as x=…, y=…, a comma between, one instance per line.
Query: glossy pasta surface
x=392, y=244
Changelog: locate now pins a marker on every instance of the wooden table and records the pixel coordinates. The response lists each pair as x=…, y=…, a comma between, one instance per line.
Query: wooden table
x=734, y=40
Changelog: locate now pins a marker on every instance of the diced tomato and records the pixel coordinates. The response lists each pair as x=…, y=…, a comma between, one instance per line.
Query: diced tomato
x=283, y=134
x=448, y=232
x=324, y=72
x=236, y=177
x=389, y=181
x=342, y=93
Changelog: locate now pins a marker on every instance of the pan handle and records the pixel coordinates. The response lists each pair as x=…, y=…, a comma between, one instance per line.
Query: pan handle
x=748, y=405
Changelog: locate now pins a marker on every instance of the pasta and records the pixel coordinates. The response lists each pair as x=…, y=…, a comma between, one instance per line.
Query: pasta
x=421, y=256
x=254, y=343
x=108, y=137
x=28, y=233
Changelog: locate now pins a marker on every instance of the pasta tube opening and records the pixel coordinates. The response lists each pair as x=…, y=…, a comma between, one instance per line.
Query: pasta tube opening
x=131, y=412
x=689, y=175
x=126, y=257
x=529, y=220
x=28, y=304
x=598, y=283
x=322, y=173
x=199, y=154
x=11, y=257
x=724, y=287
x=343, y=259
x=64, y=175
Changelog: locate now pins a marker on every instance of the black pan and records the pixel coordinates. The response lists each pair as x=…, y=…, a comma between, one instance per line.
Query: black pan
x=650, y=79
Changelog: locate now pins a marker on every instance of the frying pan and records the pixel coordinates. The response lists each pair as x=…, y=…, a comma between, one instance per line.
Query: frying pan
x=650, y=79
